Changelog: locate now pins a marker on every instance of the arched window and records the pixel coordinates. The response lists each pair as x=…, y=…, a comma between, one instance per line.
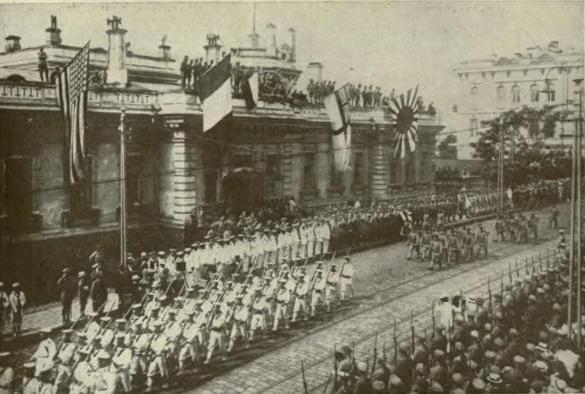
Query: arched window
x=474, y=91
x=501, y=94
x=515, y=94
x=534, y=93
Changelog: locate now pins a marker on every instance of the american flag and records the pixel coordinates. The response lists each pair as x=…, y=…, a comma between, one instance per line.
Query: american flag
x=72, y=84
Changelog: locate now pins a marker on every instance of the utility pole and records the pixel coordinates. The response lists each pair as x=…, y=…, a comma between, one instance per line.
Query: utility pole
x=123, y=214
x=575, y=254
x=501, y=166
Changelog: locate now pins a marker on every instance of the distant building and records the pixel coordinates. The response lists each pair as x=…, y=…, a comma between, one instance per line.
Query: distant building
x=273, y=152
x=541, y=75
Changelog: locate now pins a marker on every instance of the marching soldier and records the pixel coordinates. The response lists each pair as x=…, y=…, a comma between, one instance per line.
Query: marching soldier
x=138, y=365
x=122, y=361
x=259, y=307
x=30, y=383
x=240, y=319
x=318, y=291
x=217, y=323
x=331, y=289
x=82, y=381
x=7, y=375
x=282, y=303
x=67, y=348
x=346, y=279
x=105, y=379
x=300, y=298
x=157, y=368
x=46, y=351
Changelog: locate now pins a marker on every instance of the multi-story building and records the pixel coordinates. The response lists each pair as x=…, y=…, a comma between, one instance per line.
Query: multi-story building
x=541, y=75
x=173, y=169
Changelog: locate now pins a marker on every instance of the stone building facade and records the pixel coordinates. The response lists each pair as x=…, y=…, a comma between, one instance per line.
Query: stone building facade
x=274, y=151
x=540, y=75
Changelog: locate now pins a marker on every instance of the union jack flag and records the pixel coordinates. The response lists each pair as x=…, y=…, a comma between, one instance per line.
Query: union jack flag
x=72, y=87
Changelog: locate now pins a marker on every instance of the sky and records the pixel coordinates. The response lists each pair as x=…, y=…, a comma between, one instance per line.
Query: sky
x=391, y=44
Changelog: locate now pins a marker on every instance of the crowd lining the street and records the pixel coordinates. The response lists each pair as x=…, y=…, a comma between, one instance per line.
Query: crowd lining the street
x=247, y=278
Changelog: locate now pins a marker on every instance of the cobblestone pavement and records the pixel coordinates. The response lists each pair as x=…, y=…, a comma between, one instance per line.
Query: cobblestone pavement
x=387, y=287
x=382, y=275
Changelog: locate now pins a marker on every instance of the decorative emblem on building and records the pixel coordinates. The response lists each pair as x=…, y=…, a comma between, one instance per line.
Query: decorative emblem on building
x=404, y=111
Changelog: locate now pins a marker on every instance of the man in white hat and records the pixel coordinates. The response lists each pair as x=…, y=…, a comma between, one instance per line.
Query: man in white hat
x=67, y=348
x=318, y=291
x=30, y=383
x=191, y=335
x=138, y=365
x=157, y=368
x=46, y=351
x=217, y=324
x=105, y=378
x=259, y=307
x=301, y=293
x=7, y=375
x=240, y=320
x=122, y=359
x=63, y=373
x=82, y=380
x=17, y=301
x=282, y=302
x=346, y=280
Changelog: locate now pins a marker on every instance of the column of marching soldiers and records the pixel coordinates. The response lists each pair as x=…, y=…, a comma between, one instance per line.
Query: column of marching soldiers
x=515, y=340
x=179, y=321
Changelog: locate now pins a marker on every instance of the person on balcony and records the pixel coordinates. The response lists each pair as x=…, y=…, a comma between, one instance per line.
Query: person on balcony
x=43, y=67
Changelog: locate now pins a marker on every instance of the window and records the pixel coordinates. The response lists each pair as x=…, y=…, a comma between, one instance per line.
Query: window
x=515, y=94
x=501, y=94
x=242, y=160
x=358, y=170
x=534, y=93
x=272, y=173
x=309, y=171
x=18, y=188
x=474, y=90
x=134, y=179
x=473, y=126
x=81, y=193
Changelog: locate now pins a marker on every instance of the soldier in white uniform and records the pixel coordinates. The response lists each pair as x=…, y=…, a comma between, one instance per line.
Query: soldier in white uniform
x=331, y=289
x=82, y=382
x=192, y=335
x=318, y=292
x=7, y=376
x=217, y=324
x=46, y=351
x=259, y=307
x=301, y=294
x=157, y=368
x=106, y=334
x=346, y=280
x=122, y=360
x=30, y=383
x=138, y=366
x=240, y=320
x=106, y=381
x=282, y=303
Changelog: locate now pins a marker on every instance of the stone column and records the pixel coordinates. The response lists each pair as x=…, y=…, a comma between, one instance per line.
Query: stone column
x=186, y=158
x=379, y=168
x=116, y=74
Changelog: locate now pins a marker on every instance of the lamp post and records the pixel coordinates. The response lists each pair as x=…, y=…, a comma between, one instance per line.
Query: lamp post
x=123, y=213
x=577, y=208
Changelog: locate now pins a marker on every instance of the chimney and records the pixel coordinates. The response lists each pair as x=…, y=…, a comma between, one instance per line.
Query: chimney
x=271, y=37
x=293, y=45
x=12, y=43
x=212, y=49
x=53, y=32
x=116, y=74
x=165, y=49
x=315, y=71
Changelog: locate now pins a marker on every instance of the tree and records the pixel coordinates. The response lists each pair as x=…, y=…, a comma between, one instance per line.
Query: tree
x=524, y=132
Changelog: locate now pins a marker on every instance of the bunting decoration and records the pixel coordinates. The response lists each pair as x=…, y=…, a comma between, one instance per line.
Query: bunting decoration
x=404, y=111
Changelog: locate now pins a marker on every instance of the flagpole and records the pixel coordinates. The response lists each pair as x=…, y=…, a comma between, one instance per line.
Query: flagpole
x=123, y=227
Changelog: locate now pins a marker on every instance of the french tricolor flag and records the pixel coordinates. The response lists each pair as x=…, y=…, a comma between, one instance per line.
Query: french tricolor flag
x=215, y=92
